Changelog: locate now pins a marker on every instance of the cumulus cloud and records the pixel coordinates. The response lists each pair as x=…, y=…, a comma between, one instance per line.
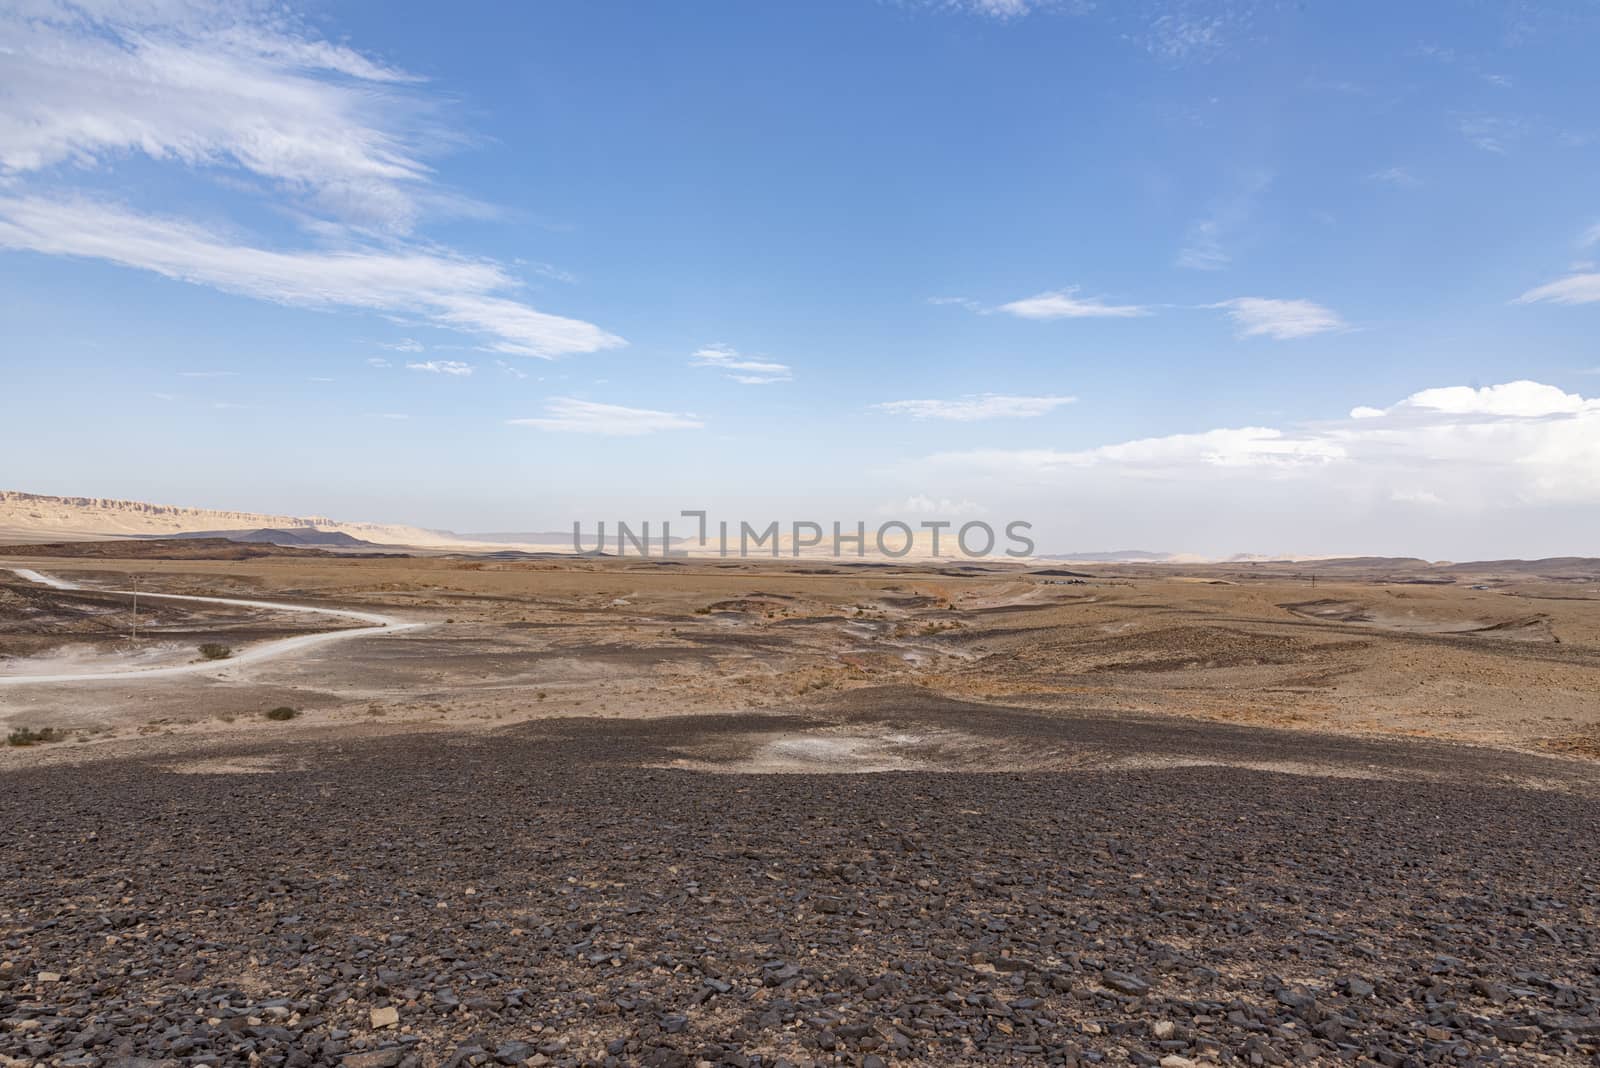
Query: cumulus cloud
x=453, y=291
x=1503, y=445
x=572, y=416
x=1280, y=319
x=1065, y=304
x=442, y=367
x=976, y=406
x=751, y=371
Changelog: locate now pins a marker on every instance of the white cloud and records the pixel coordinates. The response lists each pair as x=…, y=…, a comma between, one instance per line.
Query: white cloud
x=1063, y=304
x=377, y=361
x=1491, y=133
x=1005, y=10
x=511, y=369
x=236, y=85
x=452, y=291
x=1573, y=289
x=1205, y=243
x=389, y=415
x=957, y=302
x=442, y=367
x=1399, y=177
x=405, y=344
x=1280, y=319
x=756, y=371
x=243, y=93
x=976, y=406
x=208, y=374
x=1497, y=446
x=1520, y=399
x=1590, y=237
x=1257, y=448
x=1202, y=250
x=921, y=504
x=569, y=415
x=1182, y=35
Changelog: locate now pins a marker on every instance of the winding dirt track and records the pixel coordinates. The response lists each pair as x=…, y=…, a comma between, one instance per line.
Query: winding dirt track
x=254, y=655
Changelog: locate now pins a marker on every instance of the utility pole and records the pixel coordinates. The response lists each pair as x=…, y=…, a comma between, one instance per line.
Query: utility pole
x=136, y=609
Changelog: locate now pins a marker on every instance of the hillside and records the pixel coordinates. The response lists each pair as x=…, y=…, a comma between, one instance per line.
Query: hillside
x=32, y=517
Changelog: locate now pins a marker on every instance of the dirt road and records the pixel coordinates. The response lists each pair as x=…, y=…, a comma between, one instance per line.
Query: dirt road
x=254, y=655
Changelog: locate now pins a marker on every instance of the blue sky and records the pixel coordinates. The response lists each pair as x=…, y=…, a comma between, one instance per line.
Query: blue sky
x=1201, y=277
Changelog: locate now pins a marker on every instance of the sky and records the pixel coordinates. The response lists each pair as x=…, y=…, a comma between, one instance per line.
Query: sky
x=1211, y=278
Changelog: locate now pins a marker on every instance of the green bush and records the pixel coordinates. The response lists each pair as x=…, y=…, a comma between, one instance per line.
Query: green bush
x=282, y=712
x=215, y=651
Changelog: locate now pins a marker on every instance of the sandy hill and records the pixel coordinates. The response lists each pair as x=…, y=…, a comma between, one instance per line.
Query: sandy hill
x=33, y=517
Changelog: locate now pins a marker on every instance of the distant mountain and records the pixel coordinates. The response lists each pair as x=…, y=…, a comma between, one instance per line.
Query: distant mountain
x=163, y=549
x=1120, y=556
x=310, y=537
x=563, y=538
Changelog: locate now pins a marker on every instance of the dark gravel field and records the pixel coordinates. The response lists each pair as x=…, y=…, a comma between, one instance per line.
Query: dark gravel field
x=559, y=893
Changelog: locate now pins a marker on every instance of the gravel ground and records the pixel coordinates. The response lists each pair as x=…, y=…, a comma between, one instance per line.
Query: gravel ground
x=558, y=893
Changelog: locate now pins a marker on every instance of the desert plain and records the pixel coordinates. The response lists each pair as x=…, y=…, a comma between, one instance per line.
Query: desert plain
x=796, y=811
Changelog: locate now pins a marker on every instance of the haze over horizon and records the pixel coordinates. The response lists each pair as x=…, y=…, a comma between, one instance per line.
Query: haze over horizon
x=1205, y=278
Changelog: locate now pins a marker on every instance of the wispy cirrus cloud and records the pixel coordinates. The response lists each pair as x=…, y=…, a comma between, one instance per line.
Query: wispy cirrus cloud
x=452, y=291
x=569, y=415
x=1066, y=304
x=1206, y=242
x=975, y=407
x=1492, y=133
x=442, y=367
x=1281, y=320
x=1179, y=36
x=1399, y=177
x=1004, y=10
x=1582, y=288
x=241, y=92
x=238, y=85
x=747, y=370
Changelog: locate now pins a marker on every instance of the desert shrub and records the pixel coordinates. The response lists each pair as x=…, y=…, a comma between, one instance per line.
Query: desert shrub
x=29, y=736
x=282, y=712
x=215, y=651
